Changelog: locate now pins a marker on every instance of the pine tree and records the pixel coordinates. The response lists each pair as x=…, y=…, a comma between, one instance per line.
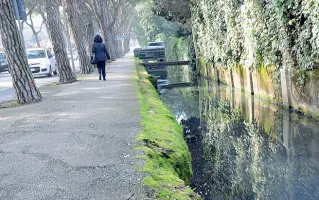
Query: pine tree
x=23, y=82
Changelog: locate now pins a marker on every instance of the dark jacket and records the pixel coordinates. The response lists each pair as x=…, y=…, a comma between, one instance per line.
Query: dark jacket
x=100, y=50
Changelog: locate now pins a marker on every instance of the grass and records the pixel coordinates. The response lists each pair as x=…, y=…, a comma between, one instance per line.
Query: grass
x=166, y=155
x=9, y=104
x=53, y=84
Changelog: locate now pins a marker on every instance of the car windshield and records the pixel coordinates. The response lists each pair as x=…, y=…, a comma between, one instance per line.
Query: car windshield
x=36, y=54
x=156, y=44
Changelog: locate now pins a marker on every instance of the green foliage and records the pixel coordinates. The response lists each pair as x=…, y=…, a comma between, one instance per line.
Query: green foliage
x=178, y=48
x=302, y=78
x=151, y=27
x=167, y=158
x=256, y=33
x=173, y=10
x=146, y=26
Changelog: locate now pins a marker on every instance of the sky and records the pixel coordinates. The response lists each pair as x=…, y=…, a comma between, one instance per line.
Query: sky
x=27, y=33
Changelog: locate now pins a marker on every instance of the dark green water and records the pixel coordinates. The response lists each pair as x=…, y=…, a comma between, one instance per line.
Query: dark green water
x=243, y=147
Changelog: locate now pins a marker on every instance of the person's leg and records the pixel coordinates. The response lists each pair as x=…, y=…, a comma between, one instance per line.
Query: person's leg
x=103, y=70
x=100, y=71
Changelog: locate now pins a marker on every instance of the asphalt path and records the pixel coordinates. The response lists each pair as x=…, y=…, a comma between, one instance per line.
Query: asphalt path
x=77, y=143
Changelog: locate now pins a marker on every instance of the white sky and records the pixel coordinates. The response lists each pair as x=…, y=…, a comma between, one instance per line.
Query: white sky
x=27, y=33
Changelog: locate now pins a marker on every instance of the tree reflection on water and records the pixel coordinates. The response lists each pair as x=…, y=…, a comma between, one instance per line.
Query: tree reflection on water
x=244, y=147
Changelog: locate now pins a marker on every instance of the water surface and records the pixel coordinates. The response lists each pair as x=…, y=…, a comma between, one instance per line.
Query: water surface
x=244, y=147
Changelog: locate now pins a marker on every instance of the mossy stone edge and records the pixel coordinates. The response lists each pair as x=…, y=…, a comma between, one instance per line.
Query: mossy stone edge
x=166, y=154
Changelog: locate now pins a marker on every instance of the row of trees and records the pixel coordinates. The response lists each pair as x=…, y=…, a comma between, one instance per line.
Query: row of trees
x=168, y=21
x=80, y=18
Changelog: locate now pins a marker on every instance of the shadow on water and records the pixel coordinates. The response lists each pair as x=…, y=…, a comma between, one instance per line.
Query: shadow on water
x=243, y=147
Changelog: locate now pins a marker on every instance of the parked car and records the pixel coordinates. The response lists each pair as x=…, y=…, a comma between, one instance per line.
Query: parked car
x=41, y=62
x=3, y=63
x=156, y=45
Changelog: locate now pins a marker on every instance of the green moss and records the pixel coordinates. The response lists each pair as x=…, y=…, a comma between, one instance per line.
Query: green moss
x=312, y=75
x=316, y=73
x=81, y=77
x=202, y=62
x=202, y=67
x=167, y=158
x=268, y=125
x=10, y=104
x=53, y=84
x=307, y=112
x=180, y=43
x=244, y=76
x=153, y=80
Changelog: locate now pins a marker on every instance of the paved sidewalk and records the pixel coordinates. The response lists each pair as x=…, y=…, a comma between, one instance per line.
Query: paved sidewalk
x=78, y=143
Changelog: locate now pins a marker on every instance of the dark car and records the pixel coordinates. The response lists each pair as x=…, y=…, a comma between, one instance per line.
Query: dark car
x=3, y=62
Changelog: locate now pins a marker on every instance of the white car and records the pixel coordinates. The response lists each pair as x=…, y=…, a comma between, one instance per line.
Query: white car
x=156, y=45
x=41, y=62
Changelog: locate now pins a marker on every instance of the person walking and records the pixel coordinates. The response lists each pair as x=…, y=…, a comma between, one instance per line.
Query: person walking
x=101, y=55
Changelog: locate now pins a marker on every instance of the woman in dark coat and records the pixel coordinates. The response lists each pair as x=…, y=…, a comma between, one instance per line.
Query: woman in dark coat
x=101, y=55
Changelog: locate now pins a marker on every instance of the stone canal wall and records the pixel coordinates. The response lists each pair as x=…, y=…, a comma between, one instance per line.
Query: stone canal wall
x=261, y=82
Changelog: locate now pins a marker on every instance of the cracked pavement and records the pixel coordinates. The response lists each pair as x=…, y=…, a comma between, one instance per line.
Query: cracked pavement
x=78, y=143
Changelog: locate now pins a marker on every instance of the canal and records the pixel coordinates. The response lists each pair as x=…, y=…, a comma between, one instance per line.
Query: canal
x=243, y=147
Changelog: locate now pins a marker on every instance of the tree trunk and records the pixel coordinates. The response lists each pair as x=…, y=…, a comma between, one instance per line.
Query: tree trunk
x=87, y=23
x=114, y=45
x=46, y=24
x=107, y=41
x=120, y=44
x=90, y=36
x=23, y=82
x=121, y=49
x=34, y=32
x=58, y=42
x=104, y=28
x=88, y=27
x=89, y=39
x=117, y=42
x=126, y=45
x=117, y=49
x=36, y=37
x=75, y=24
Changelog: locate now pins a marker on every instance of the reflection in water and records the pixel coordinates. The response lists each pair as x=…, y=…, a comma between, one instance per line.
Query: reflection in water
x=244, y=147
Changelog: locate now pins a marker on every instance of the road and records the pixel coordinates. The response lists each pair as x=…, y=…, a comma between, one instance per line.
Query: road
x=7, y=90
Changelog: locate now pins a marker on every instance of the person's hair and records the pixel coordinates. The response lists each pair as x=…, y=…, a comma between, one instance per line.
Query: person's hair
x=98, y=39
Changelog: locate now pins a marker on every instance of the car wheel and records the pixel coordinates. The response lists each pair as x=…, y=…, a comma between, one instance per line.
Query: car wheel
x=50, y=72
x=55, y=72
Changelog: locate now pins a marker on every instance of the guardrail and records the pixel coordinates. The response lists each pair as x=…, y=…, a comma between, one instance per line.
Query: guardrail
x=174, y=63
x=150, y=54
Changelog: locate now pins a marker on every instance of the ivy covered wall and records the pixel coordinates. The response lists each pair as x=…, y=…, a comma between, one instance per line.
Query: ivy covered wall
x=257, y=33
x=273, y=44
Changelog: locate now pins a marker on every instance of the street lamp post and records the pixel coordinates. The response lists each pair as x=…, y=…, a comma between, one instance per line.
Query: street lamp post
x=17, y=13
